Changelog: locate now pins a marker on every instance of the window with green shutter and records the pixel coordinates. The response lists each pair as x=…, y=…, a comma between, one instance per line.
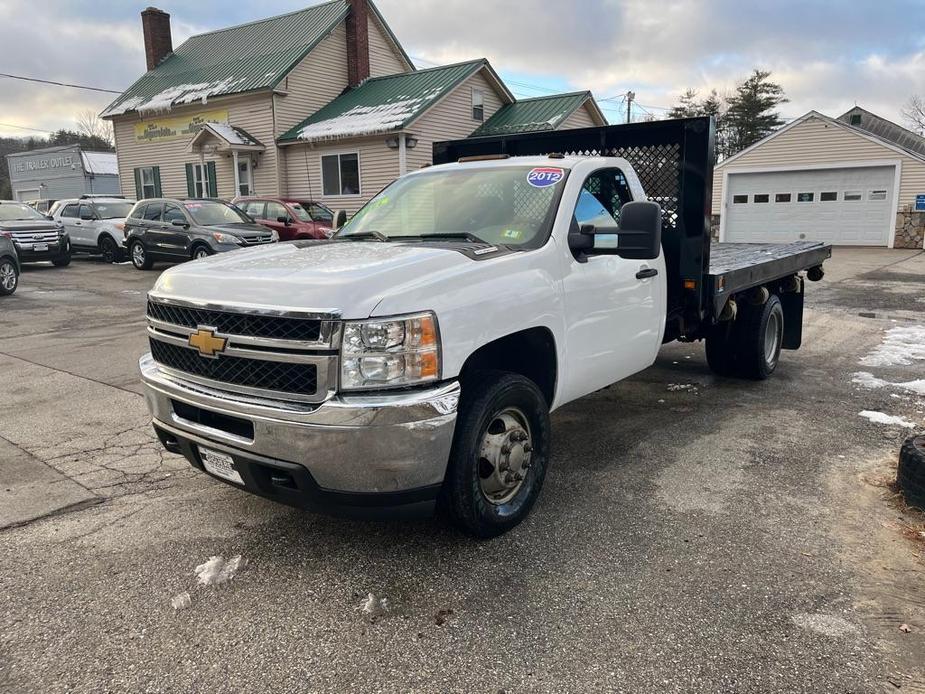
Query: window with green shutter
x=148, y=182
x=200, y=180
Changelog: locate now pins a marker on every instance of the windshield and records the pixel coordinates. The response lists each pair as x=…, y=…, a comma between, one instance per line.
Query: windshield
x=112, y=210
x=209, y=213
x=13, y=211
x=312, y=212
x=511, y=206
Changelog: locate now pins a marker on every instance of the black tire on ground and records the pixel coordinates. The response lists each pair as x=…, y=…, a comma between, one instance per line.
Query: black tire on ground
x=486, y=396
x=63, y=260
x=9, y=276
x=201, y=250
x=911, y=473
x=721, y=350
x=110, y=250
x=760, y=331
x=140, y=258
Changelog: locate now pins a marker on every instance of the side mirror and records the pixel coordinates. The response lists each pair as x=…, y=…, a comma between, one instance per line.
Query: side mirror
x=640, y=233
x=340, y=218
x=180, y=223
x=284, y=219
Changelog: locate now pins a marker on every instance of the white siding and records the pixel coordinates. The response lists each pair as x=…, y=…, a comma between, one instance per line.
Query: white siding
x=451, y=118
x=253, y=113
x=378, y=168
x=318, y=79
x=815, y=142
x=580, y=119
x=383, y=58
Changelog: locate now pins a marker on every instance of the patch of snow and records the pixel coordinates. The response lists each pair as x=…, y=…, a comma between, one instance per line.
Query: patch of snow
x=868, y=380
x=366, y=120
x=374, y=607
x=827, y=625
x=881, y=418
x=173, y=96
x=679, y=387
x=901, y=346
x=216, y=570
x=230, y=134
x=181, y=601
x=103, y=163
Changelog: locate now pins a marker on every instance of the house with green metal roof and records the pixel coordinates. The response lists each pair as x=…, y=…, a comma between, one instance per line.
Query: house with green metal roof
x=259, y=79
x=554, y=112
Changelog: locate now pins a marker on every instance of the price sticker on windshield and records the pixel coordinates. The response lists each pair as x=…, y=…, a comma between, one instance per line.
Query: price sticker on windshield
x=545, y=176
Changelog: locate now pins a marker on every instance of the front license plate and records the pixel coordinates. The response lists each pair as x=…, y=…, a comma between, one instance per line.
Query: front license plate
x=40, y=247
x=220, y=465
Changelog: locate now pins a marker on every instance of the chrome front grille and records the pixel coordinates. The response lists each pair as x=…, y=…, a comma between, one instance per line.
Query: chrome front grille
x=36, y=236
x=257, y=239
x=283, y=355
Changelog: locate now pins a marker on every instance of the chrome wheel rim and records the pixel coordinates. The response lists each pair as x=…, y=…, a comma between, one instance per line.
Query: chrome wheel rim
x=505, y=455
x=8, y=276
x=772, y=338
x=200, y=253
x=138, y=254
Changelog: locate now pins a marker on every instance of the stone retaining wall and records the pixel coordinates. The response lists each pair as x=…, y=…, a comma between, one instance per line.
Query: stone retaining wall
x=910, y=228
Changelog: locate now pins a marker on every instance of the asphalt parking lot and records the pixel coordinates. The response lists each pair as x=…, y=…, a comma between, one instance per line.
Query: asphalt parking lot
x=694, y=533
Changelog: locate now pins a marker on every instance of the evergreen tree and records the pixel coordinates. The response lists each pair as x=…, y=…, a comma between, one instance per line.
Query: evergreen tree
x=751, y=114
x=687, y=106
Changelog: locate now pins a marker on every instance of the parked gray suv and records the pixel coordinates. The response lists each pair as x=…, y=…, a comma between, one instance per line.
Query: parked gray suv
x=174, y=230
x=35, y=236
x=9, y=266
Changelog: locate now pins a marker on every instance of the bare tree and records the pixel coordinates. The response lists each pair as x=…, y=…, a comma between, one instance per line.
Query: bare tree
x=91, y=125
x=914, y=113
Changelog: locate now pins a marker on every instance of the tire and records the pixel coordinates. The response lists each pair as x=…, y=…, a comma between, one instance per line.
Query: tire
x=110, y=250
x=721, y=350
x=9, y=276
x=201, y=251
x=911, y=473
x=140, y=258
x=63, y=260
x=496, y=410
x=760, y=332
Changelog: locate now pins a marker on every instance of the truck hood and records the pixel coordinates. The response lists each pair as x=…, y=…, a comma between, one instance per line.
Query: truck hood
x=29, y=225
x=346, y=277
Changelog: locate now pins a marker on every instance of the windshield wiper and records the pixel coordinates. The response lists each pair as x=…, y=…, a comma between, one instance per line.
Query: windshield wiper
x=378, y=235
x=465, y=235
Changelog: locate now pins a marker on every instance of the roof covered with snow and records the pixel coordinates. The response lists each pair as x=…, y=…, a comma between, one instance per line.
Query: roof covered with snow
x=243, y=58
x=233, y=135
x=536, y=114
x=382, y=104
x=100, y=163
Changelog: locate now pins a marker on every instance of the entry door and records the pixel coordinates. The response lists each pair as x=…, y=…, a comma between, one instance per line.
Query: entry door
x=245, y=185
x=614, y=318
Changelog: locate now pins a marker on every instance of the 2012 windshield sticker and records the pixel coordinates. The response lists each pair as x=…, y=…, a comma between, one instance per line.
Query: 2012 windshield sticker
x=545, y=176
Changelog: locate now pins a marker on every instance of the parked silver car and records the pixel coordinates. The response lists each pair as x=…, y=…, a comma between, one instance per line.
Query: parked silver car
x=96, y=225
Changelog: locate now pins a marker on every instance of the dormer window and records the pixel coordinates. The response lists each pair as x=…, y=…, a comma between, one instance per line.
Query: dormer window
x=478, y=105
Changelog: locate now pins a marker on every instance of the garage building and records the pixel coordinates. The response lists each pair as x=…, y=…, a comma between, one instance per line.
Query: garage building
x=849, y=181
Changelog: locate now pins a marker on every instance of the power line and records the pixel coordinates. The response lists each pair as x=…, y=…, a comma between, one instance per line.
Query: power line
x=22, y=127
x=59, y=84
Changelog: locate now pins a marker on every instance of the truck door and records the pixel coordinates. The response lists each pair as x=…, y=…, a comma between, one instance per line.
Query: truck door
x=614, y=310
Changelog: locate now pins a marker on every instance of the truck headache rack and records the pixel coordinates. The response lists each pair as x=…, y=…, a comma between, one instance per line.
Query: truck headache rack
x=674, y=162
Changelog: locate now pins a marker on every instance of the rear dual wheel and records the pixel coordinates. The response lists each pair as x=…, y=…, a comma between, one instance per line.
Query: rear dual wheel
x=750, y=346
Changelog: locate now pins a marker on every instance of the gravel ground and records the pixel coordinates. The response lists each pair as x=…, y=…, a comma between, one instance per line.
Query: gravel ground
x=725, y=536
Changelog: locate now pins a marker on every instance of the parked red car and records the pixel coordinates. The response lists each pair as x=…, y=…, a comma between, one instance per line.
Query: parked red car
x=289, y=217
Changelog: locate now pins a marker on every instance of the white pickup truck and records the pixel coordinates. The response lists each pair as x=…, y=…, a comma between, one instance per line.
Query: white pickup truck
x=413, y=360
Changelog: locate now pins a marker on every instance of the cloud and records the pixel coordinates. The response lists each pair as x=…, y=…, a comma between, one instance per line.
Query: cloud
x=827, y=55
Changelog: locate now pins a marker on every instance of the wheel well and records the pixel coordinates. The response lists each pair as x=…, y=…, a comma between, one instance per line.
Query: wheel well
x=105, y=235
x=530, y=353
x=197, y=244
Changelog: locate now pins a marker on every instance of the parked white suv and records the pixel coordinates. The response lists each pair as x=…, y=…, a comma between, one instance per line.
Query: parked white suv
x=96, y=225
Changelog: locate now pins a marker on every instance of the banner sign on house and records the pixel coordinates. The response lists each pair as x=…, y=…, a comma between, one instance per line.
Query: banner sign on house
x=176, y=128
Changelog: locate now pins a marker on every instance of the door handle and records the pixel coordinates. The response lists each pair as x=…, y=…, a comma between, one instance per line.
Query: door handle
x=646, y=273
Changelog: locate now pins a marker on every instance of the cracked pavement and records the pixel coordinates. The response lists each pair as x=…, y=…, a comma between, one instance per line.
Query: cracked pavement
x=723, y=536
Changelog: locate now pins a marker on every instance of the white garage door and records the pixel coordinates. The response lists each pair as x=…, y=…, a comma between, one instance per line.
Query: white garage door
x=839, y=206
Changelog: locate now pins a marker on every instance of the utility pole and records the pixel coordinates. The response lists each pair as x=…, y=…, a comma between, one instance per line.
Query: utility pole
x=629, y=106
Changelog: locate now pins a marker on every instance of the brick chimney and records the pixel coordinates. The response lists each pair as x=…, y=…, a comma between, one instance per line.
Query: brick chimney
x=357, y=42
x=155, y=24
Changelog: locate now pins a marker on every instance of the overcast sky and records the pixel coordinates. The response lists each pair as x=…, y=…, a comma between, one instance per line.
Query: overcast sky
x=827, y=54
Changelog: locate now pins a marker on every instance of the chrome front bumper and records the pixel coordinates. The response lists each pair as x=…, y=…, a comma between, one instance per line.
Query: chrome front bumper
x=361, y=444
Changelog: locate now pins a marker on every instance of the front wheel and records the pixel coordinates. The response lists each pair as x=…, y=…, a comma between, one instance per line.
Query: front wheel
x=499, y=456
x=9, y=277
x=110, y=250
x=140, y=258
x=201, y=252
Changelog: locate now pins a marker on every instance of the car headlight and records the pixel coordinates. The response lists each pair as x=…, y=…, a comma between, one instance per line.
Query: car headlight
x=390, y=353
x=327, y=231
x=274, y=235
x=225, y=238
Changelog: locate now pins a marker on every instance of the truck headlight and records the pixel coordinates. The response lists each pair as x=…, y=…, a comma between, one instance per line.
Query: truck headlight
x=390, y=353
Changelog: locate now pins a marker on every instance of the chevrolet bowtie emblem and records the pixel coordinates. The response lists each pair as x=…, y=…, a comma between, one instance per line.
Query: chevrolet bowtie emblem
x=207, y=342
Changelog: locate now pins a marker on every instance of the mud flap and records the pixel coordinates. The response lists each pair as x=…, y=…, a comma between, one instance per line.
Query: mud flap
x=792, y=305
